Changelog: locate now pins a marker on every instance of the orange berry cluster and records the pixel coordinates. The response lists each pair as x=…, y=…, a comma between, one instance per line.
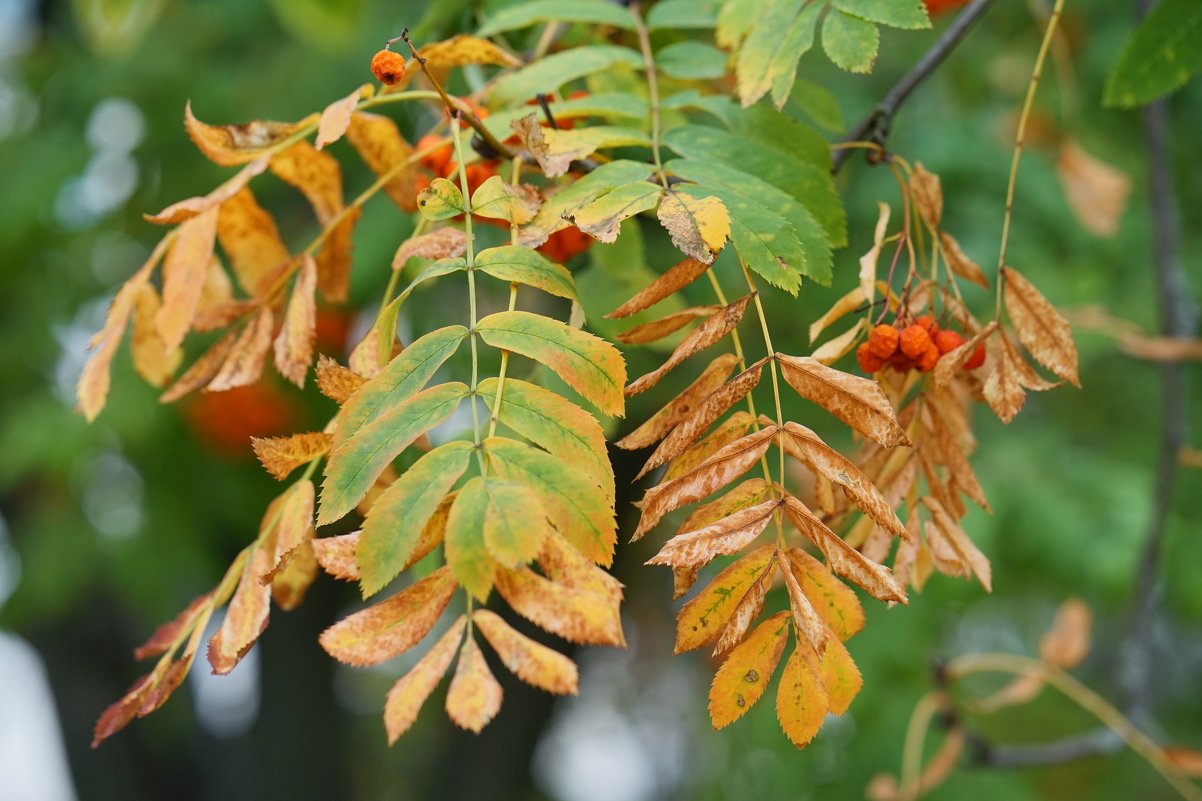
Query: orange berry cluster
x=918, y=346
x=441, y=161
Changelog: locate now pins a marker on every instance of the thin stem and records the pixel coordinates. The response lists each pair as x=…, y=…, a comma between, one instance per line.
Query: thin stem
x=495, y=415
x=652, y=89
x=1088, y=700
x=471, y=288
x=395, y=278
x=875, y=127
x=916, y=735
x=1028, y=104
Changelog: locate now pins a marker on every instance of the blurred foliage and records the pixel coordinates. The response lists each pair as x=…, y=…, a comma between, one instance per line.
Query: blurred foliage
x=117, y=525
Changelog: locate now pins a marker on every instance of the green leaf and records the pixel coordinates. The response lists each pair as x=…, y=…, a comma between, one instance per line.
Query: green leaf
x=575, y=505
x=819, y=103
x=497, y=199
x=809, y=184
x=850, y=41
x=773, y=46
x=464, y=546
x=1159, y=56
x=525, y=266
x=395, y=521
x=691, y=61
x=435, y=270
x=894, y=13
x=735, y=20
x=403, y=376
x=555, y=424
x=515, y=525
x=597, y=12
x=589, y=365
x=609, y=105
x=440, y=200
x=355, y=464
x=795, y=43
x=765, y=124
x=548, y=74
x=683, y=14
x=602, y=218
x=384, y=330
x=578, y=193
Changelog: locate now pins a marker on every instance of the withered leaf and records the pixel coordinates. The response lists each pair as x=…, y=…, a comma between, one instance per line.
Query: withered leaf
x=244, y=363
x=334, y=256
x=843, y=306
x=184, y=270
x=336, y=117
x=386, y=153
x=532, y=662
x=949, y=535
x=857, y=401
x=293, y=526
x=745, y=674
x=444, y=243
x=474, y=697
x=927, y=194
x=720, y=538
x=336, y=555
x=1041, y=328
x=724, y=434
x=951, y=362
x=336, y=382
x=246, y=615
x=806, y=619
x=194, y=206
x=682, y=406
x=294, y=343
x=202, y=370
x=702, y=619
x=1096, y=192
x=229, y=145
x=801, y=702
x=745, y=613
x=393, y=626
x=676, y=278
x=959, y=262
x=249, y=236
x=658, y=329
x=868, y=262
x=281, y=455
x=834, y=601
x=578, y=614
x=1067, y=642
x=699, y=227
x=153, y=361
x=747, y=494
x=700, y=338
x=407, y=696
x=835, y=349
x=166, y=635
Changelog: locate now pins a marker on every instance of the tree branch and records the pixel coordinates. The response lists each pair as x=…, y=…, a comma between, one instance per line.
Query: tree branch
x=875, y=127
x=1098, y=742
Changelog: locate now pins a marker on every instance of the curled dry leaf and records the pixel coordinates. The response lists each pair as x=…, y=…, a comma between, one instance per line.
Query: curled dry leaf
x=744, y=676
x=702, y=619
x=244, y=363
x=835, y=349
x=951, y=541
x=681, y=407
x=806, y=619
x=1097, y=192
x=1067, y=642
x=699, y=227
x=336, y=555
x=230, y=145
x=393, y=626
x=1041, y=328
x=713, y=474
x=843, y=306
x=745, y=613
x=407, y=696
x=834, y=601
x=336, y=382
x=727, y=432
x=747, y=494
x=858, y=402
x=951, y=362
x=166, y=635
x=658, y=329
x=700, y=338
x=532, y=662
x=474, y=697
x=336, y=117
x=959, y=262
x=246, y=615
x=676, y=278
x=927, y=193
x=294, y=343
x=202, y=370
x=868, y=261
x=184, y=271
x=1004, y=388
x=444, y=243
x=725, y=536
x=281, y=455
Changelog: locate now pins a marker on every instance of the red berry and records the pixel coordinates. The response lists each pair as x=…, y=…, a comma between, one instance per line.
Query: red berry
x=914, y=341
x=948, y=341
x=869, y=361
x=976, y=359
x=882, y=342
x=388, y=67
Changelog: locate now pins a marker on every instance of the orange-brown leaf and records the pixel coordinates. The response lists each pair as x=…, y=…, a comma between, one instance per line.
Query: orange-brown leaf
x=682, y=407
x=229, y=145
x=951, y=539
x=153, y=361
x=702, y=619
x=532, y=662
x=745, y=674
x=676, y=278
x=191, y=207
x=246, y=615
x=294, y=343
x=858, y=402
x=700, y=338
x=806, y=619
x=840, y=677
x=801, y=702
x=729, y=430
x=960, y=263
x=293, y=526
x=834, y=601
x=407, y=696
x=1041, y=328
x=385, y=151
x=474, y=697
x=244, y=363
x=713, y=474
x=166, y=635
x=202, y=370
x=1067, y=642
x=445, y=243
x=578, y=614
x=927, y=193
x=835, y=349
x=744, y=496
x=391, y=627
x=184, y=270
x=317, y=175
x=745, y=613
x=658, y=329
x=336, y=555
x=1096, y=192
x=336, y=382
x=248, y=235
x=281, y=455
x=843, y=306
x=334, y=257
x=336, y=117
x=720, y=538
x=950, y=363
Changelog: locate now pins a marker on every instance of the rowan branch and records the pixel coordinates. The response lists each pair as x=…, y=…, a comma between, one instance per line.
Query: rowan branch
x=875, y=127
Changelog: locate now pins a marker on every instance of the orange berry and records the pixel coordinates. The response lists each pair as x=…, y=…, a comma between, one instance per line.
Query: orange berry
x=883, y=341
x=914, y=341
x=437, y=160
x=948, y=341
x=927, y=323
x=926, y=363
x=901, y=362
x=564, y=244
x=976, y=359
x=478, y=173
x=869, y=361
x=388, y=67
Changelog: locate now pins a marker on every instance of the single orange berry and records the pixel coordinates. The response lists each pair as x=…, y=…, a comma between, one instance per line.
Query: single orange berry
x=883, y=341
x=435, y=161
x=927, y=323
x=914, y=341
x=565, y=244
x=948, y=341
x=388, y=67
x=976, y=359
x=926, y=363
x=869, y=361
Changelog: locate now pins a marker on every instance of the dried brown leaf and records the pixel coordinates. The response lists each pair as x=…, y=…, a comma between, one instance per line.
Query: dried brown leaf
x=728, y=535
x=658, y=329
x=383, y=149
x=682, y=407
x=202, y=370
x=281, y=455
x=927, y=194
x=835, y=349
x=1067, y=642
x=336, y=117
x=184, y=270
x=700, y=338
x=194, y=206
x=229, y=145
x=445, y=243
x=336, y=382
x=336, y=555
x=950, y=535
x=843, y=306
x=294, y=343
x=857, y=401
x=474, y=697
x=246, y=615
x=698, y=226
x=950, y=363
x=676, y=278
x=1096, y=192
x=959, y=262
x=703, y=618
x=244, y=363
x=1041, y=328
x=806, y=619
x=868, y=262
x=727, y=432
x=745, y=613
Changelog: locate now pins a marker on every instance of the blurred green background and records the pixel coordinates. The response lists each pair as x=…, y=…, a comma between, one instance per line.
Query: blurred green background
x=107, y=530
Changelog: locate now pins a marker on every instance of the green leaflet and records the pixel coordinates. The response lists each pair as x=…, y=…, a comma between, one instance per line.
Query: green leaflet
x=403, y=376
x=691, y=60
x=515, y=525
x=602, y=217
x=384, y=331
x=610, y=105
x=566, y=201
x=589, y=365
x=764, y=124
x=894, y=13
x=850, y=41
x=683, y=14
x=438, y=268
x=598, y=12
x=819, y=104
x=772, y=46
x=395, y=521
x=796, y=43
x=575, y=505
x=441, y=200
x=555, y=424
x=1159, y=56
x=548, y=74
x=464, y=546
x=498, y=199
x=813, y=239
x=735, y=20
x=809, y=184
x=355, y=463
x=525, y=266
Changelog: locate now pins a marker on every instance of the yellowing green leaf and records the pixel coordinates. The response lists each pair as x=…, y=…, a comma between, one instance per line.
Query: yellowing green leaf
x=602, y=218
x=578, y=614
x=551, y=72
x=698, y=226
x=850, y=41
x=441, y=200
x=522, y=265
x=498, y=199
x=466, y=553
x=701, y=619
x=464, y=49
